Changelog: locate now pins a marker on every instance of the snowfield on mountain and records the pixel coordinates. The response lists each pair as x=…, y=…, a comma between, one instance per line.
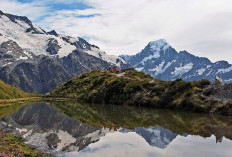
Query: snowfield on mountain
x=162, y=61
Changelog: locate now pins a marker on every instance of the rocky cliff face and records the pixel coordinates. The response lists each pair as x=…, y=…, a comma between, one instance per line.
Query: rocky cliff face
x=38, y=61
x=39, y=75
x=162, y=61
x=79, y=62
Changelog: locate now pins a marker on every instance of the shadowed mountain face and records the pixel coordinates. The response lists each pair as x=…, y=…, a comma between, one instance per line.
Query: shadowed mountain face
x=162, y=61
x=38, y=76
x=38, y=61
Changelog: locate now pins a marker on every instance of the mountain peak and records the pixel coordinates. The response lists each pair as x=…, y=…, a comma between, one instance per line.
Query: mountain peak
x=158, y=44
x=53, y=32
x=19, y=22
x=159, y=41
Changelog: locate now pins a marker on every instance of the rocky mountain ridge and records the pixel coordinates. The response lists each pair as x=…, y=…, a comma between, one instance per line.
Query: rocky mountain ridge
x=161, y=60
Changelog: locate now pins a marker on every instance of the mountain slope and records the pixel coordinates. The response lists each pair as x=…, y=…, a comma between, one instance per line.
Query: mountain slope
x=162, y=61
x=9, y=92
x=39, y=75
x=38, y=61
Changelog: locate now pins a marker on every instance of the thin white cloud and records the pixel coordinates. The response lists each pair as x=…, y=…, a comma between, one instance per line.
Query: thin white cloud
x=126, y=26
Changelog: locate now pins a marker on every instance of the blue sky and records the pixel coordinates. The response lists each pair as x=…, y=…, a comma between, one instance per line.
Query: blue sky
x=59, y=5
x=54, y=6
x=203, y=28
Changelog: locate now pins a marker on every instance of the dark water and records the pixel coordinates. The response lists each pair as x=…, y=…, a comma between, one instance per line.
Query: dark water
x=75, y=129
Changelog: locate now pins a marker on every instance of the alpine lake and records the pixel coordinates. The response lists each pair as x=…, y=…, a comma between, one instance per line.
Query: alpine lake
x=70, y=129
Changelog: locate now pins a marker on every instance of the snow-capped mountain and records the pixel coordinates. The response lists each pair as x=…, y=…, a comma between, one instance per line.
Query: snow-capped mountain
x=38, y=61
x=162, y=61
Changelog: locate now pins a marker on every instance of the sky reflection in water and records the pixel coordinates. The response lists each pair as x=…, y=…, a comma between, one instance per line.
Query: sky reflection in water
x=131, y=144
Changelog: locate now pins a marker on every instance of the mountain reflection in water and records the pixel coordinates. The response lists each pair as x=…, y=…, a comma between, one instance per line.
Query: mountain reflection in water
x=133, y=145
x=110, y=130
x=50, y=130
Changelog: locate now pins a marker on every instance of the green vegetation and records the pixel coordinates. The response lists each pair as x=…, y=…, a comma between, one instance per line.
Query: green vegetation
x=9, y=92
x=136, y=88
x=13, y=146
x=10, y=95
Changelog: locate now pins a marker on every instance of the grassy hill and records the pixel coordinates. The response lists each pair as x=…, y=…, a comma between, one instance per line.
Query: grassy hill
x=136, y=88
x=9, y=92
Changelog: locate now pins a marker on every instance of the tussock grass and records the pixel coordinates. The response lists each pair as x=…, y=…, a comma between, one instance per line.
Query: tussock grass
x=134, y=88
x=10, y=92
x=10, y=95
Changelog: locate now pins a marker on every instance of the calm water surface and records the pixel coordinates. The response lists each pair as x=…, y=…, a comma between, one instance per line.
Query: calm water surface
x=69, y=129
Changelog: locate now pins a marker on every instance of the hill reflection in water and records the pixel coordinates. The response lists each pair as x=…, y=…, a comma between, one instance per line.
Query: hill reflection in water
x=60, y=127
